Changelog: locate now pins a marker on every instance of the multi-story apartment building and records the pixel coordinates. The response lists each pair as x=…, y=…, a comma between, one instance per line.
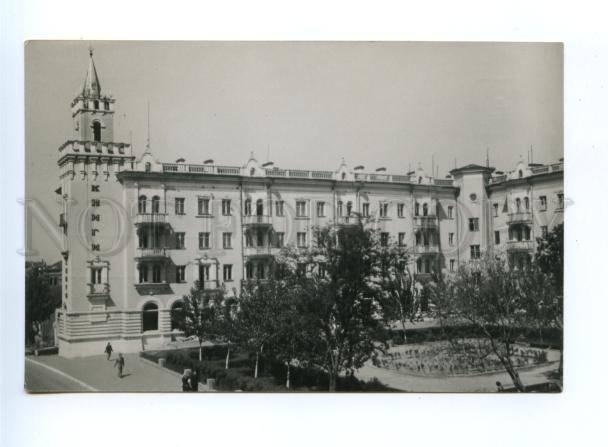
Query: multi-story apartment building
x=139, y=232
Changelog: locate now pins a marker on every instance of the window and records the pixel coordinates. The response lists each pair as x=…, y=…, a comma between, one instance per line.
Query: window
x=280, y=238
x=156, y=273
x=474, y=224
x=227, y=240
x=155, y=205
x=320, y=209
x=96, y=104
x=383, y=209
x=451, y=239
x=279, y=208
x=180, y=239
x=322, y=270
x=543, y=203
x=177, y=312
x=248, y=239
x=339, y=209
x=300, y=208
x=97, y=131
x=149, y=317
x=259, y=207
x=365, y=210
x=400, y=207
x=203, y=241
x=142, y=239
x=203, y=206
x=95, y=276
x=495, y=207
x=425, y=210
x=416, y=209
x=560, y=201
x=226, y=207
x=249, y=270
x=179, y=205
x=452, y=264
x=180, y=273
x=247, y=210
x=141, y=204
x=106, y=105
x=497, y=237
x=349, y=208
x=302, y=240
x=204, y=272
x=544, y=230
x=518, y=204
x=148, y=166
x=418, y=238
x=526, y=203
x=527, y=233
x=401, y=239
x=475, y=253
x=261, y=273
x=143, y=274
x=450, y=212
x=228, y=272
x=260, y=238
x=384, y=239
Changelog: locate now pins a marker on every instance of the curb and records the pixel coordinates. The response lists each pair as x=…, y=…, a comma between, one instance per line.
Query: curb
x=202, y=387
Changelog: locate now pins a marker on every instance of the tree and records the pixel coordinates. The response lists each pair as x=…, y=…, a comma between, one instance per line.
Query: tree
x=259, y=317
x=201, y=315
x=494, y=299
x=399, y=298
x=336, y=298
x=549, y=259
x=228, y=325
x=40, y=303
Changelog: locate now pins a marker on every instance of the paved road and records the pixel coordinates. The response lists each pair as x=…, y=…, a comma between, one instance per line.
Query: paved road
x=41, y=379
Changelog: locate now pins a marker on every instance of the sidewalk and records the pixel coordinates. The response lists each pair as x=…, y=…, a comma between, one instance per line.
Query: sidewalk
x=139, y=375
x=478, y=383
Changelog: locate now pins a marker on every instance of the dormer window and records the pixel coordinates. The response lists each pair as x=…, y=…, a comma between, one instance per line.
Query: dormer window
x=252, y=172
x=97, y=131
x=344, y=176
x=148, y=166
x=521, y=173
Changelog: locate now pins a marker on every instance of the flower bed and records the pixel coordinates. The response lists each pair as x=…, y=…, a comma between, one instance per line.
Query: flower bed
x=468, y=356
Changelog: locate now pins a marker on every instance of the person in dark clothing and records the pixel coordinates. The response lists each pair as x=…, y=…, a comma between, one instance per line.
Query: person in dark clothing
x=194, y=381
x=109, y=350
x=186, y=381
x=120, y=364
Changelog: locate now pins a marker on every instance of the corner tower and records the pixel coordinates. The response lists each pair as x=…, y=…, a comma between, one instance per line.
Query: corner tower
x=93, y=219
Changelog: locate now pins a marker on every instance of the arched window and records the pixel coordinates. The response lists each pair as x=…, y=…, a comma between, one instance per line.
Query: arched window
x=518, y=204
x=106, y=105
x=425, y=210
x=141, y=204
x=527, y=203
x=97, y=131
x=416, y=209
x=150, y=317
x=344, y=176
x=521, y=173
x=259, y=207
x=252, y=172
x=177, y=312
x=155, y=205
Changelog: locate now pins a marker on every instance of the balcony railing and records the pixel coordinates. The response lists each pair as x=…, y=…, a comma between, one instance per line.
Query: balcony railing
x=151, y=219
x=99, y=289
x=520, y=245
x=425, y=221
x=519, y=217
x=201, y=169
x=153, y=253
x=426, y=249
x=257, y=220
x=260, y=251
x=347, y=221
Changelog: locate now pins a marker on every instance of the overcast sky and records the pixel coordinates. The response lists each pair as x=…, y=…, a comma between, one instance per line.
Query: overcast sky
x=302, y=105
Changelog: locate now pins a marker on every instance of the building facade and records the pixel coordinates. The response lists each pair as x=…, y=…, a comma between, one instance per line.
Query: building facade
x=139, y=232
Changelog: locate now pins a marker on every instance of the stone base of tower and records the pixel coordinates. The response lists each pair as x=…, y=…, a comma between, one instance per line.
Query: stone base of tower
x=85, y=334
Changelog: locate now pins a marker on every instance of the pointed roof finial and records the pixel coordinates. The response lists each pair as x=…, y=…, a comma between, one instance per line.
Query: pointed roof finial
x=91, y=87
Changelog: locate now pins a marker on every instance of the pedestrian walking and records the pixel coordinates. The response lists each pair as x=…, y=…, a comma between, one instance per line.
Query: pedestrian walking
x=120, y=364
x=109, y=350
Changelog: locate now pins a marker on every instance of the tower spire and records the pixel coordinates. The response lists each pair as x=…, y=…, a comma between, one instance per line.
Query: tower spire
x=91, y=87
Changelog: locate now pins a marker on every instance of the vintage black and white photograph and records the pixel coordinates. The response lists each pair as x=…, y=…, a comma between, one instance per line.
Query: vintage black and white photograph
x=294, y=217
